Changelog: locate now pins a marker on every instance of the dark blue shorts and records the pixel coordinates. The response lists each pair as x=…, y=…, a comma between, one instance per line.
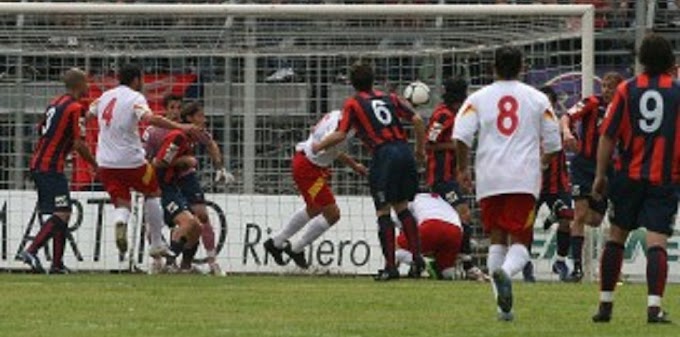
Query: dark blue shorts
x=191, y=189
x=638, y=204
x=173, y=202
x=53, y=192
x=393, y=176
x=582, y=177
x=449, y=191
x=550, y=198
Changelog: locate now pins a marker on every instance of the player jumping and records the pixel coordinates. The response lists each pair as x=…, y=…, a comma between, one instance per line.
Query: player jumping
x=514, y=121
x=393, y=176
x=310, y=173
x=60, y=133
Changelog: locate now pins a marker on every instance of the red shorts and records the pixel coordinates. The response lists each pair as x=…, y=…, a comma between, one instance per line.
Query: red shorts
x=438, y=239
x=118, y=182
x=311, y=181
x=512, y=213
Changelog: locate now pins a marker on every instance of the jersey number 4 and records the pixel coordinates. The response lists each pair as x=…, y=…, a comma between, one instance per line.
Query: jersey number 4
x=507, y=120
x=107, y=114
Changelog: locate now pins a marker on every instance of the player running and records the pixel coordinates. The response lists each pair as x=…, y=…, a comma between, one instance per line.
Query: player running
x=310, y=173
x=120, y=155
x=441, y=165
x=642, y=123
x=393, y=176
x=60, y=133
x=590, y=112
x=440, y=234
x=514, y=121
x=188, y=181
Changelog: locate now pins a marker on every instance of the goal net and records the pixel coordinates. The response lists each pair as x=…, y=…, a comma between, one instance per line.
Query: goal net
x=265, y=74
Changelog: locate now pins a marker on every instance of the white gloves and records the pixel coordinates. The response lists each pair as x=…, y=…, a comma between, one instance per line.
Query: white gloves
x=222, y=176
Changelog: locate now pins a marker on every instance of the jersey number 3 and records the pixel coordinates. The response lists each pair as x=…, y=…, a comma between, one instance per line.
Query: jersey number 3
x=507, y=120
x=107, y=114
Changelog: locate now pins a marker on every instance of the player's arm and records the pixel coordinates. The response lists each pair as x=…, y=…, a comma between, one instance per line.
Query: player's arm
x=439, y=125
x=464, y=130
x=144, y=114
x=169, y=153
x=340, y=134
x=350, y=162
x=610, y=130
x=574, y=114
x=221, y=174
x=551, y=141
x=77, y=116
x=406, y=111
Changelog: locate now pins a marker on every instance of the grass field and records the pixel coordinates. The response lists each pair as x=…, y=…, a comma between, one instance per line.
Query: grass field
x=135, y=305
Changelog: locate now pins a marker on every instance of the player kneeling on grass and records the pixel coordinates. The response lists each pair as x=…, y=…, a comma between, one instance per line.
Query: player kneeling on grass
x=310, y=173
x=174, y=157
x=440, y=232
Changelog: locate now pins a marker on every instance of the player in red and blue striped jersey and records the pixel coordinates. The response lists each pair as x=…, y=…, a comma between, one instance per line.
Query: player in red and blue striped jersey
x=643, y=123
x=60, y=133
x=393, y=176
x=590, y=112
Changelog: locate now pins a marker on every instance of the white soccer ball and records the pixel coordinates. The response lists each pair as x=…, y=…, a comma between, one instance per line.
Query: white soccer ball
x=417, y=93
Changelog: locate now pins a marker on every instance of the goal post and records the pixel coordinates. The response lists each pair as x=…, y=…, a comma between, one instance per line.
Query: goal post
x=264, y=73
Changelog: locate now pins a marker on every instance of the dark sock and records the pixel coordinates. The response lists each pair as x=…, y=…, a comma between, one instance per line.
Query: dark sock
x=577, y=251
x=386, y=235
x=58, y=244
x=45, y=233
x=466, y=246
x=563, y=242
x=177, y=246
x=610, y=265
x=657, y=270
x=408, y=223
x=188, y=255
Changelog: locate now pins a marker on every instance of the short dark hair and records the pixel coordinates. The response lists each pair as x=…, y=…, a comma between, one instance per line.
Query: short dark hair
x=129, y=72
x=508, y=62
x=550, y=92
x=361, y=76
x=171, y=98
x=189, y=110
x=455, y=90
x=656, y=54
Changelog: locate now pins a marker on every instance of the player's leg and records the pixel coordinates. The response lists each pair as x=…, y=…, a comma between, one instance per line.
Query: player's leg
x=491, y=211
x=378, y=180
x=447, y=239
x=563, y=241
x=402, y=184
x=117, y=182
x=185, y=237
x=54, y=201
x=577, y=237
x=658, y=214
x=330, y=214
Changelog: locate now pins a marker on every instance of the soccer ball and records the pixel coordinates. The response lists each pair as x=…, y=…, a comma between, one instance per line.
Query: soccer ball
x=418, y=93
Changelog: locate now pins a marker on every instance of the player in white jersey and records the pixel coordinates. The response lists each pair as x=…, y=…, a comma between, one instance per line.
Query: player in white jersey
x=120, y=155
x=514, y=122
x=440, y=232
x=310, y=173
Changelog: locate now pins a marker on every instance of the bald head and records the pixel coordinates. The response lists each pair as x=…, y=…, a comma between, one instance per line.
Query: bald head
x=75, y=81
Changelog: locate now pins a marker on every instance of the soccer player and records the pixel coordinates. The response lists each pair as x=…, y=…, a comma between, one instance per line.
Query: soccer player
x=441, y=165
x=393, y=176
x=440, y=234
x=120, y=155
x=590, y=112
x=514, y=121
x=60, y=133
x=556, y=194
x=188, y=181
x=310, y=173
x=175, y=161
x=642, y=123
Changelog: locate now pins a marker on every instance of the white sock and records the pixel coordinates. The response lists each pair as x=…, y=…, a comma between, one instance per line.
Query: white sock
x=606, y=296
x=496, y=257
x=517, y=257
x=153, y=212
x=297, y=220
x=121, y=215
x=315, y=228
x=653, y=301
x=403, y=256
x=449, y=273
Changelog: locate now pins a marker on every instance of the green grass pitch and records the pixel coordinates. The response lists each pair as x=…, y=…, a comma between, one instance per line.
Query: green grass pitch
x=102, y=305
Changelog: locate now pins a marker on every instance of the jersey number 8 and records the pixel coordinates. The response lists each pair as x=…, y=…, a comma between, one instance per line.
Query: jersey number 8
x=507, y=120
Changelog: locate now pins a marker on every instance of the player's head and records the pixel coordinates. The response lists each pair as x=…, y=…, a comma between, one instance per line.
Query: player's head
x=361, y=76
x=193, y=113
x=552, y=95
x=656, y=55
x=75, y=81
x=131, y=76
x=455, y=90
x=610, y=81
x=173, y=106
x=508, y=62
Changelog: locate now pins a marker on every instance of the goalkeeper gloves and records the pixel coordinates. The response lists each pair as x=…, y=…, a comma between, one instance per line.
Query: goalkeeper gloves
x=222, y=176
